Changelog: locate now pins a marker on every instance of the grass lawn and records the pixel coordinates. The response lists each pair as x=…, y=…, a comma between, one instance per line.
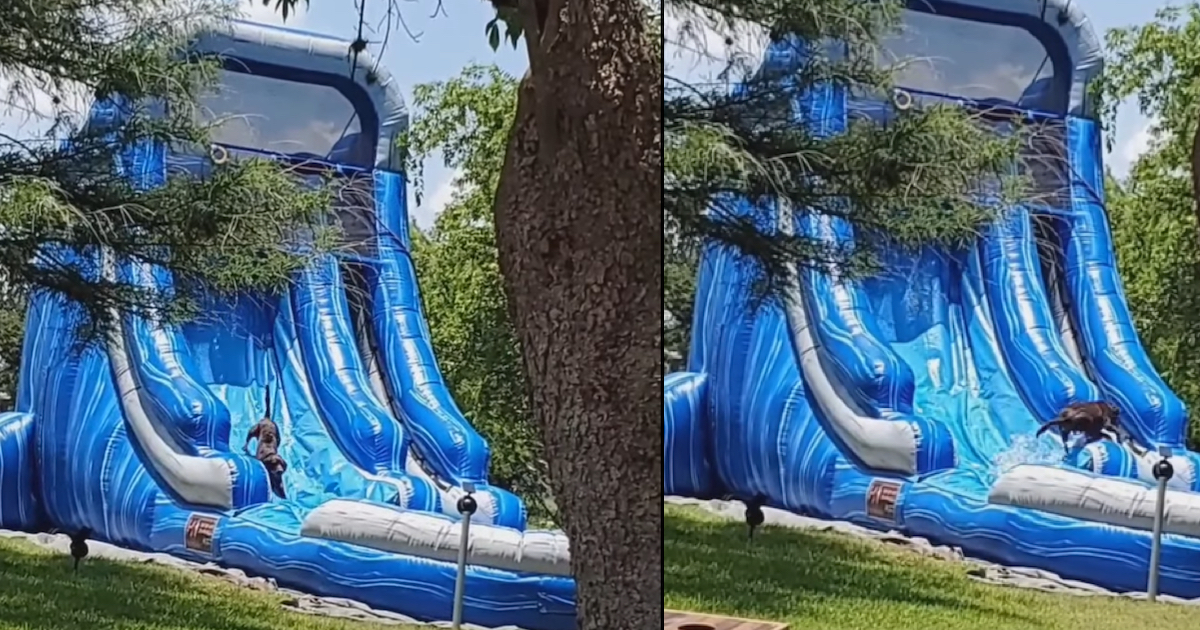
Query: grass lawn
x=38, y=591
x=827, y=581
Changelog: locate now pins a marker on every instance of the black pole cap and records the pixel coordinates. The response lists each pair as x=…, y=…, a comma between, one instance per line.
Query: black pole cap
x=1164, y=470
x=467, y=504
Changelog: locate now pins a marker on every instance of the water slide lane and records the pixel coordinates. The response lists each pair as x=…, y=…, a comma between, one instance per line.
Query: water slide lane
x=359, y=422
x=169, y=412
x=446, y=442
x=1114, y=354
x=247, y=348
x=187, y=415
x=864, y=393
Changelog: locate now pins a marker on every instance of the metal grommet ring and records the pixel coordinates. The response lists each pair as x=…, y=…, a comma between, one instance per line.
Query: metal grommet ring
x=902, y=100
x=218, y=154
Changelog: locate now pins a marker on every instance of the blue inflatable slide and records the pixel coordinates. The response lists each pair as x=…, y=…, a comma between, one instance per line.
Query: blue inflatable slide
x=909, y=401
x=141, y=437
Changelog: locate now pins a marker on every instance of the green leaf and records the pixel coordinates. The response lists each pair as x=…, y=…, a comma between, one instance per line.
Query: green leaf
x=512, y=32
x=493, y=34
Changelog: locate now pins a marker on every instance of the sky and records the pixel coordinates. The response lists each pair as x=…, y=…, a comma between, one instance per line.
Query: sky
x=961, y=74
x=439, y=47
x=1132, y=128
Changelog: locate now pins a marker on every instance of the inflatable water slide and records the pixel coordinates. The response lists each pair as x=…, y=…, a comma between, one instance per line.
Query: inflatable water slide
x=909, y=401
x=141, y=437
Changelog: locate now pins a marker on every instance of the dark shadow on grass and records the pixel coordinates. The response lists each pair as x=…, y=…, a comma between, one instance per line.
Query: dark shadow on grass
x=788, y=573
x=39, y=591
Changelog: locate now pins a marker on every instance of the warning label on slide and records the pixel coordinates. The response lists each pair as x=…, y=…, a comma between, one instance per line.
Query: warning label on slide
x=198, y=536
x=881, y=499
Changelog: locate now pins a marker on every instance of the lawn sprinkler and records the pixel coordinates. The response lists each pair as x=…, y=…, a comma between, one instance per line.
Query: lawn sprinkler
x=466, y=506
x=1163, y=471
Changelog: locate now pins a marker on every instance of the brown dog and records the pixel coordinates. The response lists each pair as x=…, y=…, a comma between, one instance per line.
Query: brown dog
x=1095, y=420
x=267, y=451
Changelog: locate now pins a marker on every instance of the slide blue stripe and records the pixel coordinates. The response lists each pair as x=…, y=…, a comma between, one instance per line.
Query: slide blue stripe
x=356, y=420
x=1151, y=411
x=444, y=438
x=1029, y=338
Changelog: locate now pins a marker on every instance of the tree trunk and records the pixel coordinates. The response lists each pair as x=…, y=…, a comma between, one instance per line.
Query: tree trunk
x=579, y=231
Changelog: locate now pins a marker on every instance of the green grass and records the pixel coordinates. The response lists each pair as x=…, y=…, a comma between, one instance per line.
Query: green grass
x=826, y=581
x=38, y=591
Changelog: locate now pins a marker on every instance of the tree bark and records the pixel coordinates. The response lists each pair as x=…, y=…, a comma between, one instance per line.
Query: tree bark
x=579, y=232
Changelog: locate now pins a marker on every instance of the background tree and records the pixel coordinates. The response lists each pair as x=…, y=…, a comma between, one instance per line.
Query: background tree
x=230, y=232
x=13, y=303
x=468, y=118
x=679, y=292
x=1153, y=213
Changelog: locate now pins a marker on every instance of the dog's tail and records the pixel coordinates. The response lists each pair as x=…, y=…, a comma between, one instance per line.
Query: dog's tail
x=267, y=393
x=1046, y=427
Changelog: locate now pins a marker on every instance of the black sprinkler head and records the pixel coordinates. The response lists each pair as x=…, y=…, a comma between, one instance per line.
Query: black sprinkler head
x=1163, y=470
x=467, y=505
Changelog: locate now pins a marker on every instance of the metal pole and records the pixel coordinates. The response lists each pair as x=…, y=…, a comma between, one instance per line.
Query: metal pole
x=466, y=507
x=1163, y=471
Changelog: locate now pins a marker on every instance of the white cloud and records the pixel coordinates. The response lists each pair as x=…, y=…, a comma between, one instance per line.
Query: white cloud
x=432, y=203
x=1128, y=150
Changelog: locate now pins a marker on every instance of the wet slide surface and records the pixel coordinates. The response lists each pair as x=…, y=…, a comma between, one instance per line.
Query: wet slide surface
x=934, y=315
